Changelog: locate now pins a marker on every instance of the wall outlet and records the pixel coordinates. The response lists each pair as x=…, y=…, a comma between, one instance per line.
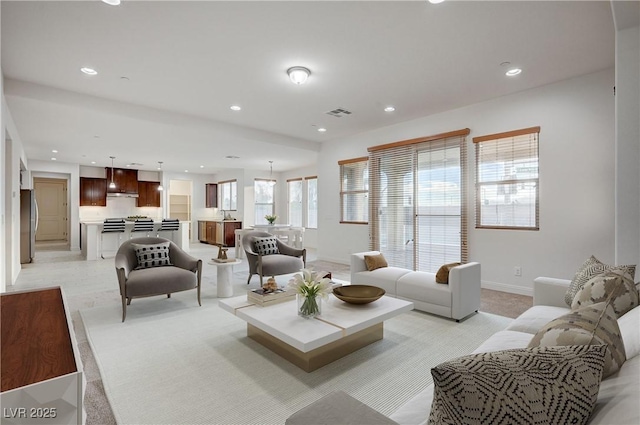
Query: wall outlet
x=517, y=271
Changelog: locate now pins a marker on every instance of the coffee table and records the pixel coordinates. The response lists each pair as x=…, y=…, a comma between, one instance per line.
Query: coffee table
x=312, y=343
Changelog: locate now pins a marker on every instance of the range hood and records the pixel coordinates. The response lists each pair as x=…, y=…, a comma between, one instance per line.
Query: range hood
x=122, y=195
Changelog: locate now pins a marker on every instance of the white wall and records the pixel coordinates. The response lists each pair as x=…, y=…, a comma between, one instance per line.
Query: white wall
x=576, y=117
x=310, y=235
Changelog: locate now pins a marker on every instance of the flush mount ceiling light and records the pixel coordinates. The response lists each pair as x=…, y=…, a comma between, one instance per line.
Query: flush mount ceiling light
x=235, y=108
x=298, y=74
x=390, y=108
x=112, y=185
x=112, y=2
x=160, y=188
x=89, y=71
x=272, y=182
x=513, y=72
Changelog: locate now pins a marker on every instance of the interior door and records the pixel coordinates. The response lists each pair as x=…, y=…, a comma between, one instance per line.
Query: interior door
x=51, y=196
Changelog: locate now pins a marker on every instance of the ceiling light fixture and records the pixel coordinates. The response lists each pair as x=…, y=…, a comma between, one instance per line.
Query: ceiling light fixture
x=430, y=1
x=202, y=166
x=322, y=129
x=112, y=185
x=298, y=74
x=235, y=108
x=54, y=151
x=54, y=159
x=272, y=182
x=160, y=188
x=89, y=71
x=513, y=72
x=389, y=109
x=112, y=2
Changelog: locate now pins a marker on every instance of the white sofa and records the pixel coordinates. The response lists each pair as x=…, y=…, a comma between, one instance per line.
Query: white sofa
x=619, y=395
x=457, y=299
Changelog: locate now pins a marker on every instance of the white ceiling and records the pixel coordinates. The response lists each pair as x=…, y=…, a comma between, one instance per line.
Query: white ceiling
x=187, y=62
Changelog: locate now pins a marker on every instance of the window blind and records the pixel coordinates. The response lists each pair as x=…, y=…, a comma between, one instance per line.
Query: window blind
x=418, y=208
x=312, y=202
x=354, y=190
x=507, y=180
x=294, y=195
x=264, y=199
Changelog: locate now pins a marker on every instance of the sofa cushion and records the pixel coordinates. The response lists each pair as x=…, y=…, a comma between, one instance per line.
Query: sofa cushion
x=384, y=278
x=442, y=275
x=532, y=320
x=266, y=246
x=422, y=286
x=374, y=262
x=594, y=324
x=618, y=396
x=542, y=385
x=504, y=340
x=630, y=332
x=589, y=269
x=160, y=280
x=613, y=287
x=152, y=255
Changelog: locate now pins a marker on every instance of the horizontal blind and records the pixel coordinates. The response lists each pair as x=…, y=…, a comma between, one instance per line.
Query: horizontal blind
x=354, y=190
x=507, y=180
x=295, y=202
x=312, y=202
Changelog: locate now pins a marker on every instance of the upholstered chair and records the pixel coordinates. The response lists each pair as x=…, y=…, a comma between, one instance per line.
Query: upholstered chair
x=287, y=260
x=185, y=272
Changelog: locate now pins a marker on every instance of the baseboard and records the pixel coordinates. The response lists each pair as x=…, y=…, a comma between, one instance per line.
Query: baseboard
x=505, y=287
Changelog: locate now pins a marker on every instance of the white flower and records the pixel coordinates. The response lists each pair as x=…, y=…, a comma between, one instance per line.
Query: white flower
x=310, y=283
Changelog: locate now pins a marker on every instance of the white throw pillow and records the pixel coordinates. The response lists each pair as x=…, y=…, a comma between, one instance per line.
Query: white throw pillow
x=630, y=332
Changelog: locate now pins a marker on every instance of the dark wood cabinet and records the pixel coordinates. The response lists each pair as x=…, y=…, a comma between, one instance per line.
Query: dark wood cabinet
x=220, y=233
x=148, y=194
x=126, y=180
x=93, y=192
x=229, y=233
x=211, y=195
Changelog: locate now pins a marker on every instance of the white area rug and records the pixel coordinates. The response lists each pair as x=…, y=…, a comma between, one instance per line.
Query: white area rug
x=175, y=362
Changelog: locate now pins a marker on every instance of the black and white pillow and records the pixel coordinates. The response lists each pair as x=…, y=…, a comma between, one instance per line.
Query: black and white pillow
x=266, y=246
x=155, y=255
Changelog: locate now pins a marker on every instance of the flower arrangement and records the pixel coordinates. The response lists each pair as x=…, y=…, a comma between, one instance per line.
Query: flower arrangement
x=271, y=218
x=310, y=286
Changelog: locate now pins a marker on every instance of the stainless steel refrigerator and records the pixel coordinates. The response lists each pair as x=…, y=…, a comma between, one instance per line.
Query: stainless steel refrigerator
x=28, y=225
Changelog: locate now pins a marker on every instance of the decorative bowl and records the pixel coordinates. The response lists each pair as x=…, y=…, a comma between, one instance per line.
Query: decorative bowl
x=358, y=294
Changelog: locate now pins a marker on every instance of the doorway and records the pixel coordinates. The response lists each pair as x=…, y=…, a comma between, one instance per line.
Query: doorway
x=180, y=200
x=53, y=213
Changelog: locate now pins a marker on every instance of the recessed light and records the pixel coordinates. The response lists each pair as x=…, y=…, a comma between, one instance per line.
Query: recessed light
x=235, y=108
x=186, y=171
x=89, y=71
x=430, y=1
x=53, y=159
x=389, y=109
x=93, y=162
x=112, y=2
x=232, y=157
x=513, y=72
x=202, y=166
x=322, y=129
x=128, y=165
x=54, y=151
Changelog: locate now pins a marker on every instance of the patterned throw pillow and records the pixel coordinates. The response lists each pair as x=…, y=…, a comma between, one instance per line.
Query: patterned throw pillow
x=593, y=324
x=442, y=275
x=266, y=246
x=612, y=287
x=154, y=255
x=375, y=262
x=544, y=385
x=589, y=269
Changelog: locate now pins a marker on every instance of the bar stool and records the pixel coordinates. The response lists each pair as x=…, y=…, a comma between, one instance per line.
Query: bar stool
x=142, y=225
x=169, y=225
x=111, y=225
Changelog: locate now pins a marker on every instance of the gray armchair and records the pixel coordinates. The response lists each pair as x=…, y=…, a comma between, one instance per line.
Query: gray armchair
x=184, y=273
x=289, y=260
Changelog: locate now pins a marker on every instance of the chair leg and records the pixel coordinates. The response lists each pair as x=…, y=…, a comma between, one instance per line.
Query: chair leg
x=128, y=301
x=124, y=308
x=199, y=303
x=261, y=280
x=249, y=280
x=168, y=295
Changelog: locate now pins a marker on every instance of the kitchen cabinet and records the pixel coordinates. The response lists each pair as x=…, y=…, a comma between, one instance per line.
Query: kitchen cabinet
x=221, y=233
x=211, y=195
x=229, y=232
x=126, y=180
x=148, y=194
x=93, y=192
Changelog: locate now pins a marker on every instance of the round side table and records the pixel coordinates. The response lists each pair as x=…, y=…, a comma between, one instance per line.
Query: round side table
x=225, y=289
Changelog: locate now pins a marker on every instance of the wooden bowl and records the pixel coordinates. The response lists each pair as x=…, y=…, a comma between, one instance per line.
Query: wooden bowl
x=358, y=294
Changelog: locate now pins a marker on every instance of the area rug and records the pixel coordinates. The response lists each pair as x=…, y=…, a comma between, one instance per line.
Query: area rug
x=173, y=362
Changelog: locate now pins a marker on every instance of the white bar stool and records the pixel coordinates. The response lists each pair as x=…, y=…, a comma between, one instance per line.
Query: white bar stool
x=111, y=225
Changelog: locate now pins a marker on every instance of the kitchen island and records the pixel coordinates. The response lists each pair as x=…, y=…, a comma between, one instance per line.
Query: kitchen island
x=91, y=232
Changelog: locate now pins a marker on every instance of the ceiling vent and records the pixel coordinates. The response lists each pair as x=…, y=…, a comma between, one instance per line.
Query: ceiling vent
x=339, y=113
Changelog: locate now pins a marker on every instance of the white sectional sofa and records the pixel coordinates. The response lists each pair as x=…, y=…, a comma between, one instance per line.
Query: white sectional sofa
x=619, y=395
x=456, y=300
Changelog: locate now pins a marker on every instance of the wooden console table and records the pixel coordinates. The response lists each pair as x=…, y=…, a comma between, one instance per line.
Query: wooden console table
x=42, y=380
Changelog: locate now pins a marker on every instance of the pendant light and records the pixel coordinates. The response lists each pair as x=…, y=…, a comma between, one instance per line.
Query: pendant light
x=272, y=182
x=160, y=188
x=112, y=185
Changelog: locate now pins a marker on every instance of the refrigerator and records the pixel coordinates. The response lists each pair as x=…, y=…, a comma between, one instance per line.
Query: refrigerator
x=28, y=225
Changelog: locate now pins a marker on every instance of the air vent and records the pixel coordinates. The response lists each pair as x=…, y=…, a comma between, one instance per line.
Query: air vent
x=339, y=112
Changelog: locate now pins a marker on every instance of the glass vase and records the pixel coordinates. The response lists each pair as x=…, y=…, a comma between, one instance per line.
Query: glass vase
x=309, y=307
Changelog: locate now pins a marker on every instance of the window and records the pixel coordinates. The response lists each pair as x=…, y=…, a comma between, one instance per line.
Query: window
x=312, y=202
x=418, y=209
x=507, y=180
x=228, y=195
x=354, y=190
x=264, y=195
x=294, y=188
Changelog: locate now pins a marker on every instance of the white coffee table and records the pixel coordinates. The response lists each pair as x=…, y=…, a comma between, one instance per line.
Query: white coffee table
x=225, y=289
x=312, y=343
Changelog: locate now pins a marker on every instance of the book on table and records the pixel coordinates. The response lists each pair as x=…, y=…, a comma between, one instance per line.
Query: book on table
x=263, y=297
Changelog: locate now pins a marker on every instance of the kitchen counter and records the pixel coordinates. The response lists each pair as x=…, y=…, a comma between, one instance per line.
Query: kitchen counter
x=91, y=237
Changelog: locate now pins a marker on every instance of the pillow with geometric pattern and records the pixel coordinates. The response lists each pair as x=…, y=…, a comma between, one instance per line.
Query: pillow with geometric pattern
x=589, y=269
x=542, y=385
x=266, y=246
x=152, y=255
x=612, y=287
